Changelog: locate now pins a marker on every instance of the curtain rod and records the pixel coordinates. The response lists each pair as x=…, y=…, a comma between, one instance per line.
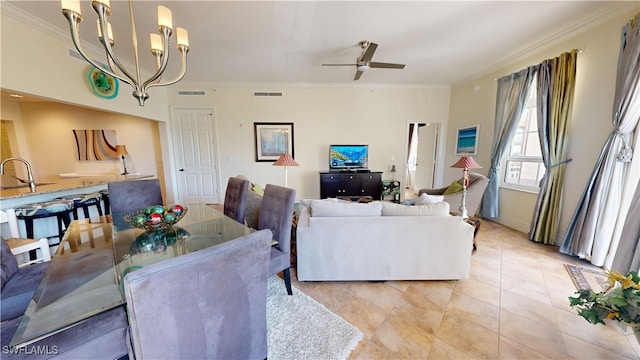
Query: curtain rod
x=578, y=50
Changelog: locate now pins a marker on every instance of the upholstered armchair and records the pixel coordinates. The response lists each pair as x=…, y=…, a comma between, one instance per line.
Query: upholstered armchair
x=208, y=304
x=477, y=185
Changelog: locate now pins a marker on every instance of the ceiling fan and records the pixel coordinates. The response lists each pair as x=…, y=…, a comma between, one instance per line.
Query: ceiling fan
x=364, y=63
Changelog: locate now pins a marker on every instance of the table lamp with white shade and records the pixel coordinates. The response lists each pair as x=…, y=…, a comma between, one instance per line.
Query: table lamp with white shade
x=285, y=160
x=466, y=163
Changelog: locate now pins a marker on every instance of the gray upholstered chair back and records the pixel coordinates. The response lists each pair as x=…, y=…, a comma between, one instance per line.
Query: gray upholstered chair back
x=133, y=195
x=235, y=198
x=276, y=214
x=209, y=304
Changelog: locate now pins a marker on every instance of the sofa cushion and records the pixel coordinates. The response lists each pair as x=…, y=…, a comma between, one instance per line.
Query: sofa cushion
x=337, y=209
x=453, y=188
x=8, y=263
x=307, y=202
x=425, y=198
x=257, y=189
x=433, y=209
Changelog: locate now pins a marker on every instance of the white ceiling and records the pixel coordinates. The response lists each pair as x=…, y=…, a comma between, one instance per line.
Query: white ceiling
x=441, y=42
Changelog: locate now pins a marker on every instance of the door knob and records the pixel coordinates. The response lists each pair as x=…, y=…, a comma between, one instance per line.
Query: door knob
x=180, y=169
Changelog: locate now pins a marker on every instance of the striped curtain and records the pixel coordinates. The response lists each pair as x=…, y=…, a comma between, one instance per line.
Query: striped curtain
x=591, y=231
x=512, y=94
x=555, y=89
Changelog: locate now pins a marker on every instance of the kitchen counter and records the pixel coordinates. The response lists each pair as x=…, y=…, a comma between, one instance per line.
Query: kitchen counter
x=50, y=188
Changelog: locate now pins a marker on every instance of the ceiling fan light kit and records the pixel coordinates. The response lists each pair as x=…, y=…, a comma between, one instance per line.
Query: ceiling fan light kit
x=364, y=63
x=159, y=45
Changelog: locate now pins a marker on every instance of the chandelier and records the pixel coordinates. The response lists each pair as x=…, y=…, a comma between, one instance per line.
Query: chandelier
x=159, y=45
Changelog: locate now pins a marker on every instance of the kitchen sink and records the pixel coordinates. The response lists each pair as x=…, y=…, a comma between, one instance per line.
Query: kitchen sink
x=19, y=186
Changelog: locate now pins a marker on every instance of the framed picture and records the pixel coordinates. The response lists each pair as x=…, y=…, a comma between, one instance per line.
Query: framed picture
x=272, y=140
x=467, y=140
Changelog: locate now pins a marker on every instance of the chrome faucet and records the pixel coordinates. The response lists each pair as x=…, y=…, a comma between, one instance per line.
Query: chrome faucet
x=32, y=183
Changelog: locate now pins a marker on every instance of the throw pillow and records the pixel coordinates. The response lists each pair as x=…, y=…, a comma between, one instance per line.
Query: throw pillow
x=410, y=201
x=433, y=209
x=257, y=189
x=453, y=188
x=307, y=202
x=337, y=209
x=425, y=198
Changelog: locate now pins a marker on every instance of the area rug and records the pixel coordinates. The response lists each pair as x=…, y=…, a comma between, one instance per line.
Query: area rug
x=585, y=279
x=298, y=327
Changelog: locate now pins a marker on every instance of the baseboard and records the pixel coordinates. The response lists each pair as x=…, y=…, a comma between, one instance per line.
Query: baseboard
x=513, y=223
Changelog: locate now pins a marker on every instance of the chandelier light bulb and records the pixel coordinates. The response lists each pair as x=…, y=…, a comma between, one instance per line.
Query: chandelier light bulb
x=72, y=5
x=182, y=36
x=164, y=17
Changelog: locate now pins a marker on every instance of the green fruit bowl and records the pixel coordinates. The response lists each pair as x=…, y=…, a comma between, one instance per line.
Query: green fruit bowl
x=156, y=218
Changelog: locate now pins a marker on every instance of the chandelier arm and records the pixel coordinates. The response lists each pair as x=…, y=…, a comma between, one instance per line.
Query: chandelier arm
x=74, y=23
x=162, y=58
x=112, y=66
x=183, y=69
x=102, y=12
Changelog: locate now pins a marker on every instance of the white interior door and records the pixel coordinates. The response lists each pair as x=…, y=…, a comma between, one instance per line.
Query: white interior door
x=195, y=154
x=426, y=156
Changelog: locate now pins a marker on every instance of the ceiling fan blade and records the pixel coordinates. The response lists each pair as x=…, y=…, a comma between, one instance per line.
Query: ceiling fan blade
x=358, y=74
x=368, y=53
x=386, y=65
x=339, y=64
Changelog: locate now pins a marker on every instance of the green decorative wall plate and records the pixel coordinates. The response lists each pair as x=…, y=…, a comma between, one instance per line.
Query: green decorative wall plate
x=102, y=84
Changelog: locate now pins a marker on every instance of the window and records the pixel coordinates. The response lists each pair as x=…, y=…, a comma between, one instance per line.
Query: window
x=522, y=166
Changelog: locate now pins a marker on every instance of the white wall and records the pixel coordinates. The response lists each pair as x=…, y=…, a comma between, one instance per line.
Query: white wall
x=473, y=102
x=322, y=115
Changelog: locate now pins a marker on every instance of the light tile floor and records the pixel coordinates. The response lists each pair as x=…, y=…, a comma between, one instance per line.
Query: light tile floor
x=513, y=306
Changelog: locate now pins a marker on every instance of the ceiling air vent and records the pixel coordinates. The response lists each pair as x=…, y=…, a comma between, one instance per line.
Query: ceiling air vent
x=76, y=55
x=264, y=93
x=192, y=93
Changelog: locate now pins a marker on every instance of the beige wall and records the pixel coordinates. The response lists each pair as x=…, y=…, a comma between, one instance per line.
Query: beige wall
x=473, y=102
x=47, y=131
x=36, y=62
x=377, y=116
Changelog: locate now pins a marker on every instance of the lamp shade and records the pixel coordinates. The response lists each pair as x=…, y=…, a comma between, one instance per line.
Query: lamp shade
x=121, y=150
x=466, y=162
x=285, y=160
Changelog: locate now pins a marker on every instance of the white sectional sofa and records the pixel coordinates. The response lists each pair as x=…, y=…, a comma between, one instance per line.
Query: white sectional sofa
x=381, y=241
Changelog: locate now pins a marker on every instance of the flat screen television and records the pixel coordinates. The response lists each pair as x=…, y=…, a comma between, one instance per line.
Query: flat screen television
x=348, y=157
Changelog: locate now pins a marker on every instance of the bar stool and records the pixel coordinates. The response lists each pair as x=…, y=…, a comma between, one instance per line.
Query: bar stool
x=84, y=201
x=105, y=201
x=61, y=209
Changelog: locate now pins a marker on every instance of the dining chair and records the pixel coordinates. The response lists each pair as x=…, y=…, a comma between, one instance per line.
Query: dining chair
x=20, y=246
x=208, y=304
x=103, y=336
x=276, y=214
x=235, y=198
x=132, y=195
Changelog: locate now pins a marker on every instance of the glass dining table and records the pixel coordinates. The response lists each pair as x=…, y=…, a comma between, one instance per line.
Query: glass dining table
x=85, y=276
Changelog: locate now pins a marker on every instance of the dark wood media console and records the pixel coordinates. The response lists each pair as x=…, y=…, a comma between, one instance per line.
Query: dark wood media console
x=351, y=184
